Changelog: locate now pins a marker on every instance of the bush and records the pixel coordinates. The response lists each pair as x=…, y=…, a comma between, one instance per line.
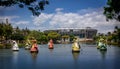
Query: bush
x=1, y=46
x=8, y=46
x=5, y=46
x=21, y=45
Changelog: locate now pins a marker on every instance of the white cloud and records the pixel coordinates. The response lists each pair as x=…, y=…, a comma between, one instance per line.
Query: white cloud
x=12, y=20
x=59, y=9
x=43, y=18
x=85, y=18
x=22, y=22
x=93, y=18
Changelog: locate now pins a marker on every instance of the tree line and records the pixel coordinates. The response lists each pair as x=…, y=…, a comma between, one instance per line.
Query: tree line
x=8, y=33
x=110, y=37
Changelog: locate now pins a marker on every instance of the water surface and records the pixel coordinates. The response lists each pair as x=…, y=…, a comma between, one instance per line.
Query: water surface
x=61, y=57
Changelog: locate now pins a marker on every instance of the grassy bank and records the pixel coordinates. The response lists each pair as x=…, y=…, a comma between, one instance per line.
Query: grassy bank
x=5, y=46
x=114, y=43
x=8, y=46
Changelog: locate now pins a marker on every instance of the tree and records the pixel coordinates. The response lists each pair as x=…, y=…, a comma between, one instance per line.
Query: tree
x=1, y=29
x=43, y=38
x=112, y=10
x=72, y=37
x=119, y=36
x=53, y=35
x=5, y=30
x=109, y=33
x=39, y=36
x=35, y=6
x=17, y=36
x=8, y=31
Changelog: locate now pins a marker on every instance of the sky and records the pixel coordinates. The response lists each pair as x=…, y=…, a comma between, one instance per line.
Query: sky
x=61, y=14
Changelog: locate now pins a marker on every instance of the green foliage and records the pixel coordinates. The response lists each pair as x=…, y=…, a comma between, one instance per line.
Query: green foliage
x=96, y=38
x=5, y=46
x=6, y=30
x=118, y=34
x=53, y=35
x=43, y=39
x=35, y=6
x=8, y=46
x=1, y=46
x=17, y=36
x=21, y=35
x=72, y=37
x=21, y=45
x=112, y=10
x=39, y=36
x=111, y=37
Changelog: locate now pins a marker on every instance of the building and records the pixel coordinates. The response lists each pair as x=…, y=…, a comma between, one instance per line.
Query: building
x=86, y=34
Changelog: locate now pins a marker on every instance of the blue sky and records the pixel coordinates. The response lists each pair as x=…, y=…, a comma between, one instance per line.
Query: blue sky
x=61, y=14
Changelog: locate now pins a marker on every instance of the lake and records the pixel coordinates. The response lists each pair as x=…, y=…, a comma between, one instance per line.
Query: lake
x=61, y=57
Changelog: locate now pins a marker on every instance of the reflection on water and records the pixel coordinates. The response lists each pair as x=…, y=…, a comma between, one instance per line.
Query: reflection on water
x=103, y=54
x=15, y=56
x=61, y=57
x=75, y=55
x=34, y=55
x=51, y=50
